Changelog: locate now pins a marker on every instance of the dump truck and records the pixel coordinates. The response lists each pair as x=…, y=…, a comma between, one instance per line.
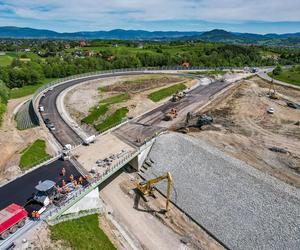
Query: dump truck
x=12, y=218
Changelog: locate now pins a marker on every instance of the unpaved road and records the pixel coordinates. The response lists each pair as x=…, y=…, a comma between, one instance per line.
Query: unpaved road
x=146, y=230
x=243, y=129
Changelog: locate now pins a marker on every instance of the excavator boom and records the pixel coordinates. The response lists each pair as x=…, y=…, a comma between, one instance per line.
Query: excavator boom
x=146, y=187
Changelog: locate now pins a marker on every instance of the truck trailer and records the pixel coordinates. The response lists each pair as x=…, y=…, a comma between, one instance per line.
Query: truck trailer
x=12, y=218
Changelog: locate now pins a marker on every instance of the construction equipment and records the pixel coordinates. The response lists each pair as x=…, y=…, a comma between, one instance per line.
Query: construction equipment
x=172, y=114
x=178, y=96
x=197, y=120
x=11, y=218
x=272, y=91
x=146, y=187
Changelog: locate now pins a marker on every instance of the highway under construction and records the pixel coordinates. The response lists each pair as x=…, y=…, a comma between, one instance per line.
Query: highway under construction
x=219, y=196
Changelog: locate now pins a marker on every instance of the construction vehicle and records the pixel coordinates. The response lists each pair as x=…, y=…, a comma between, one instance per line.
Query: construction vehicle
x=178, y=96
x=45, y=192
x=197, y=120
x=12, y=218
x=172, y=114
x=272, y=91
x=147, y=187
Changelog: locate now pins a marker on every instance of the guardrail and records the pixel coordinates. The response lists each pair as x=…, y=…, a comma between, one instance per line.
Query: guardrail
x=80, y=193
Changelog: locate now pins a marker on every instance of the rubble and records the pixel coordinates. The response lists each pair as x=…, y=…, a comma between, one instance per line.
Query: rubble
x=240, y=205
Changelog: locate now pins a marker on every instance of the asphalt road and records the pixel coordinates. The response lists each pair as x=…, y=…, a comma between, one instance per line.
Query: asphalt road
x=63, y=133
x=200, y=94
x=21, y=190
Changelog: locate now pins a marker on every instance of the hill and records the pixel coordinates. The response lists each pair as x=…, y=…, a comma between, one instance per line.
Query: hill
x=216, y=35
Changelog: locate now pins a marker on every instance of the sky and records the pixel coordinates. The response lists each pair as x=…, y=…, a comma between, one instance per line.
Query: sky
x=255, y=16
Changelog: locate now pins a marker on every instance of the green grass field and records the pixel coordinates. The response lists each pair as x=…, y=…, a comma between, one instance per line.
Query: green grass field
x=5, y=60
x=288, y=75
x=165, y=92
x=112, y=120
x=95, y=113
x=33, y=154
x=115, y=99
x=29, y=89
x=82, y=234
x=104, y=104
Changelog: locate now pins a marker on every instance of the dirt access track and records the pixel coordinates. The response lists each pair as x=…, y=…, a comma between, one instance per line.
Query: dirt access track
x=243, y=128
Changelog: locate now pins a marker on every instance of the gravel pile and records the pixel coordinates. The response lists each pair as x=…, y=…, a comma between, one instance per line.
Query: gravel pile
x=241, y=206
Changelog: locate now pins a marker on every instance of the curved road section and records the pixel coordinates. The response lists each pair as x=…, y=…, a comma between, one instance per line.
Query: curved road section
x=65, y=134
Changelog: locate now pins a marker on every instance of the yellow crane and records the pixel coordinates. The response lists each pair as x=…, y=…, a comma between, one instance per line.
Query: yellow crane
x=146, y=187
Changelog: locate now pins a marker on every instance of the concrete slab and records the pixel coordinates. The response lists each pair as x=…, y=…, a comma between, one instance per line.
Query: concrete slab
x=241, y=206
x=105, y=146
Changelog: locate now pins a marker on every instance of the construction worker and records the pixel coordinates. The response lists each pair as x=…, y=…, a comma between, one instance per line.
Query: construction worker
x=87, y=177
x=37, y=215
x=33, y=215
x=63, y=172
x=58, y=189
x=67, y=189
x=75, y=183
x=63, y=183
x=80, y=180
x=71, y=178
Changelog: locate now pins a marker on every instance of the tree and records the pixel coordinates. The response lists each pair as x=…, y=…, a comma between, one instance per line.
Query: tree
x=277, y=71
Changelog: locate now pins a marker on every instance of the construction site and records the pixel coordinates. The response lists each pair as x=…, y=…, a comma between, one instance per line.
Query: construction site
x=212, y=165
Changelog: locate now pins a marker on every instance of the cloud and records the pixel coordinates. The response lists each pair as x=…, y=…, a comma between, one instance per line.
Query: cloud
x=103, y=14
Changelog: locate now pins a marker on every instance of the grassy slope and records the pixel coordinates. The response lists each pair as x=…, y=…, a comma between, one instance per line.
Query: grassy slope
x=82, y=234
x=96, y=112
x=165, y=92
x=288, y=76
x=112, y=120
x=4, y=94
x=29, y=89
x=5, y=60
x=33, y=154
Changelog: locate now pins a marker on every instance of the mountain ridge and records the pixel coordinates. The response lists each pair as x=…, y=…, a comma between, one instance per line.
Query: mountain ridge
x=215, y=35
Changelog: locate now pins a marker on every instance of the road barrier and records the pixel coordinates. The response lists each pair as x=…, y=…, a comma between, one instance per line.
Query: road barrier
x=96, y=181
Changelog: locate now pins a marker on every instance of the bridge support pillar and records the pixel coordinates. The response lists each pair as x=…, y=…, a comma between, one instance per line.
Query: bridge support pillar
x=91, y=201
x=138, y=161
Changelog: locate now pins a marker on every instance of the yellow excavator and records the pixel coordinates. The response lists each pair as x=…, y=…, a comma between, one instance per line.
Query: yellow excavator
x=146, y=187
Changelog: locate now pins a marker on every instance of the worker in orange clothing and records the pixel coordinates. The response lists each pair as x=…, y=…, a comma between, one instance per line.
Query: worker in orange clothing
x=67, y=189
x=33, y=215
x=71, y=177
x=37, y=215
x=63, y=183
x=63, y=172
x=58, y=189
x=80, y=180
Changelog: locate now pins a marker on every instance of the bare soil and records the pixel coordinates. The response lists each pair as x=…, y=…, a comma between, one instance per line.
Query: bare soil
x=80, y=99
x=144, y=222
x=13, y=141
x=243, y=128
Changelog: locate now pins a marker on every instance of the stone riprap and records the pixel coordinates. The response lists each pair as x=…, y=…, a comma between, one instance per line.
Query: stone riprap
x=241, y=206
